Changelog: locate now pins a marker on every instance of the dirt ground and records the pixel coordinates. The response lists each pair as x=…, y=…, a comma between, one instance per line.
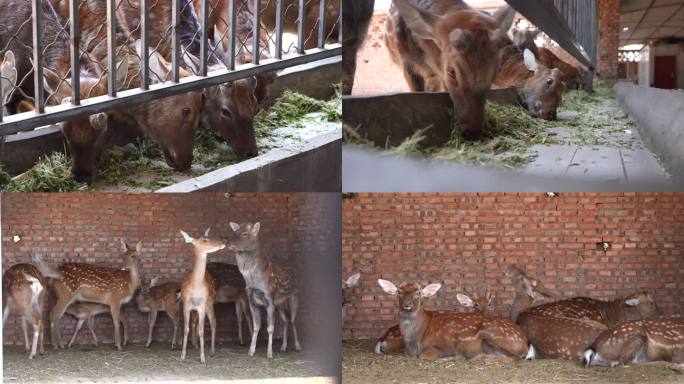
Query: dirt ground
x=361, y=365
x=158, y=363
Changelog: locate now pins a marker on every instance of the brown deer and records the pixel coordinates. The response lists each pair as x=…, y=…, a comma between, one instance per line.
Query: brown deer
x=311, y=12
x=347, y=287
x=85, y=313
x=198, y=290
x=356, y=18
x=446, y=45
x=269, y=285
x=527, y=291
x=431, y=335
x=638, y=341
x=23, y=291
x=392, y=341
x=157, y=298
x=85, y=282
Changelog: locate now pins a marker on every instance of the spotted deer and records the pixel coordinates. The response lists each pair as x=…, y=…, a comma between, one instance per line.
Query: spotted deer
x=155, y=298
x=528, y=290
x=431, y=335
x=23, y=292
x=446, y=45
x=86, y=282
x=347, y=287
x=269, y=285
x=85, y=313
x=198, y=290
x=638, y=341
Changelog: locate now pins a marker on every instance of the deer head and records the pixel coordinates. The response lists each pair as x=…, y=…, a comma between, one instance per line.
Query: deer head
x=524, y=38
x=641, y=306
x=410, y=296
x=204, y=244
x=130, y=255
x=527, y=290
x=246, y=236
x=478, y=303
x=543, y=91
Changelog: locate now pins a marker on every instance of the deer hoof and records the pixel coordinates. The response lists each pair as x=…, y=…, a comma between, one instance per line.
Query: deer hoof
x=269, y=355
x=298, y=347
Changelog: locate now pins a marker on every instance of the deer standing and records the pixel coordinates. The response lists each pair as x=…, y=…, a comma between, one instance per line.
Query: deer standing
x=638, y=341
x=431, y=335
x=198, y=290
x=85, y=313
x=23, y=291
x=392, y=341
x=269, y=285
x=85, y=282
x=160, y=297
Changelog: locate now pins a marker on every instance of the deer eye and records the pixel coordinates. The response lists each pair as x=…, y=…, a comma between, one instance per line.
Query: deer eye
x=244, y=234
x=186, y=111
x=549, y=81
x=226, y=113
x=452, y=73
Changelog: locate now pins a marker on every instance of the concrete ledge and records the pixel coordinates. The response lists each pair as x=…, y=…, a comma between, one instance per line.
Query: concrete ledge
x=659, y=115
x=392, y=118
x=314, y=167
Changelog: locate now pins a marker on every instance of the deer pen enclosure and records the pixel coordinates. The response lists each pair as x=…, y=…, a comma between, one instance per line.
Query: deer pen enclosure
x=512, y=254
x=76, y=241
x=110, y=95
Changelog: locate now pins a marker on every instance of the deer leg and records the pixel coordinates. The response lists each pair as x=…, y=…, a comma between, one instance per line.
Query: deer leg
x=151, y=319
x=26, y=339
x=212, y=324
x=186, y=329
x=42, y=337
x=238, y=315
x=284, y=318
x=91, y=327
x=124, y=324
x=200, y=329
x=193, y=325
x=116, y=313
x=270, y=317
x=256, y=326
x=79, y=324
x=55, y=316
x=294, y=305
x=173, y=314
x=35, y=322
x=430, y=354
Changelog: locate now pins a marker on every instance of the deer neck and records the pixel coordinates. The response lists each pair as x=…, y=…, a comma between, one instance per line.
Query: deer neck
x=249, y=260
x=521, y=303
x=134, y=277
x=616, y=311
x=199, y=266
x=413, y=326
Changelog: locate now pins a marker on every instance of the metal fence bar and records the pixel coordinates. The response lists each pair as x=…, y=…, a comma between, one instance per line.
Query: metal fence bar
x=322, y=30
x=279, y=30
x=145, y=45
x=232, y=15
x=29, y=120
x=39, y=98
x=204, y=42
x=175, y=41
x=301, y=35
x=340, y=38
x=256, y=34
x=111, y=45
x=75, y=53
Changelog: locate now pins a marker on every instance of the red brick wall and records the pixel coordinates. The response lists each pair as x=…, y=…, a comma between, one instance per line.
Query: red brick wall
x=59, y=226
x=469, y=240
x=609, y=38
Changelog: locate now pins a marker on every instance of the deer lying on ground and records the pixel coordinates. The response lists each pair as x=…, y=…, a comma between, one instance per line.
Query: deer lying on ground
x=85, y=313
x=638, y=341
x=157, y=298
x=528, y=290
x=198, y=290
x=347, y=287
x=446, y=45
x=23, y=292
x=356, y=18
x=392, y=341
x=269, y=285
x=85, y=282
x=431, y=335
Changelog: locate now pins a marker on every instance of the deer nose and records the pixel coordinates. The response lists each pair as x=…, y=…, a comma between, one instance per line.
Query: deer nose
x=587, y=357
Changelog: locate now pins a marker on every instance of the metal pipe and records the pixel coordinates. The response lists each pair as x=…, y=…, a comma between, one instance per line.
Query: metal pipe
x=175, y=40
x=204, y=42
x=256, y=33
x=111, y=46
x=75, y=53
x=39, y=98
x=300, y=28
x=145, y=45
x=279, y=30
x=322, y=30
x=232, y=12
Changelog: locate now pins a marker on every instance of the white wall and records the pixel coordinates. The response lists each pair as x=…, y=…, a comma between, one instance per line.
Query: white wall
x=645, y=67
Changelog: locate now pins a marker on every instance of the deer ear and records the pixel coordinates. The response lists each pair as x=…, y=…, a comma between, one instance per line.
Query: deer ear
x=187, y=238
x=504, y=17
x=465, y=300
x=353, y=280
x=461, y=39
x=124, y=246
x=138, y=247
x=421, y=22
x=530, y=60
x=255, y=228
x=632, y=302
x=51, y=81
x=388, y=287
x=234, y=226
x=430, y=290
x=206, y=232
x=98, y=121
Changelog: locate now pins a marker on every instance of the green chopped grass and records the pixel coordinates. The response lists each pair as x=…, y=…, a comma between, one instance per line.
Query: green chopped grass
x=291, y=107
x=52, y=173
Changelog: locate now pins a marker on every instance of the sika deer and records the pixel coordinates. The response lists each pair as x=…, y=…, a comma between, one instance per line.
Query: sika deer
x=269, y=285
x=638, y=341
x=85, y=282
x=356, y=18
x=347, y=287
x=311, y=23
x=23, y=292
x=446, y=45
x=160, y=297
x=527, y=291
x=392, y=341
x=198, y=290
x=431, y=335
x=86, y=312
x=8, y=79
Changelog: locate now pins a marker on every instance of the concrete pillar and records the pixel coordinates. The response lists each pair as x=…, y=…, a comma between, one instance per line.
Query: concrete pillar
x=609, y=38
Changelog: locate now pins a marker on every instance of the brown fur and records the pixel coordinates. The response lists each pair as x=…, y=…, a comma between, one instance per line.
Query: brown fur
x=311, y=12
x=86, y=312
x=162, y=297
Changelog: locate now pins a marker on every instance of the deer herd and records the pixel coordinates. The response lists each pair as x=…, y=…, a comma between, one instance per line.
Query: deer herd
x=86, y=290
x=628, y=330
x=228, y=109
x=445, y=45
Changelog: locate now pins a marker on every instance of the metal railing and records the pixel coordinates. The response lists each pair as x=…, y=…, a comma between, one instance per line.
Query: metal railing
x=80, y=106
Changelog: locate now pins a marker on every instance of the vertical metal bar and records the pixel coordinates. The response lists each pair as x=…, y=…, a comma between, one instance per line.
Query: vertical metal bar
x=231, y=40
x=175, y=42
x=322, y=30
x=256, y=34
x=145, y=45
x=111, y=46
x=279, y=30
x=340, y=38
x=204, y=43
x=300, y=29
x=75, y=44
x=2, y=105
x=37, y=10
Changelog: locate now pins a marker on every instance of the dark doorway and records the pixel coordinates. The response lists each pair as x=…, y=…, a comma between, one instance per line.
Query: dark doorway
x=665, y=74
